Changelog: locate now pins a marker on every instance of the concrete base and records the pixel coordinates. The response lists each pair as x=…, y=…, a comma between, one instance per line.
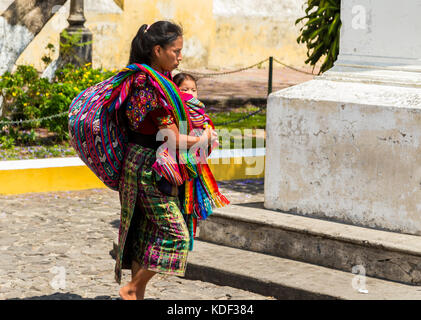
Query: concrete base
x=380, y=254
x=287, y=279
x=346, y=151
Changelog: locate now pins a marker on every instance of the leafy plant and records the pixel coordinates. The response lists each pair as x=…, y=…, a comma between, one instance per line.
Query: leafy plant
x=28, y=97
x=47, y=59
x=321, y=32
x=68, y=45
x=6, y=142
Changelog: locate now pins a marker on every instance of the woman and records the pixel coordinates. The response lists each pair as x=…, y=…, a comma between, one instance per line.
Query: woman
x=153, y=235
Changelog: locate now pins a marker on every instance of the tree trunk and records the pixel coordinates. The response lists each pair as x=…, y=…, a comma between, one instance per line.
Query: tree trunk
x=19, y=25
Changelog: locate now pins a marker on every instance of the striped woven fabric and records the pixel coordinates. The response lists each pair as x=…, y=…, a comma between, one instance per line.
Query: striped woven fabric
x=168, y=168
x=95, y=134
x=197, y=111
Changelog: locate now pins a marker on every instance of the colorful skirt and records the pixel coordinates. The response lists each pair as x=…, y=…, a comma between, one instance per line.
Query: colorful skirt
x=152, y=230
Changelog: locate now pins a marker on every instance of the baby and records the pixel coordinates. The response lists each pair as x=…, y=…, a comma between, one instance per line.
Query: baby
x=188, y=87
x=200, y=120
x=186, y=83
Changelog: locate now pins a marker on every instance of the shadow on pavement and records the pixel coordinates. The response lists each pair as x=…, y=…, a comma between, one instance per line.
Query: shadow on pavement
x=64, y=296
x=115, y=223
x=69, y=296
x=248, y=186
x=259, y=205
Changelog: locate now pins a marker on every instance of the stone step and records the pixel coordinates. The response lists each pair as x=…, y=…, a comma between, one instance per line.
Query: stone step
x=287, y=279
x=381, y=254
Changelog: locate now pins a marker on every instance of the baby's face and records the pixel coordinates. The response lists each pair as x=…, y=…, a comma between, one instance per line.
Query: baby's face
x=189, y=86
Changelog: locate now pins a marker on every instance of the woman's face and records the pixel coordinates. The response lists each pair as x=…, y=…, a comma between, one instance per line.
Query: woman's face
x=168, y=58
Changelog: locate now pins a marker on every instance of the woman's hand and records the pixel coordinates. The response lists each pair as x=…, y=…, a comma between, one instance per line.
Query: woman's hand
x=208, y=136
x=186, y=141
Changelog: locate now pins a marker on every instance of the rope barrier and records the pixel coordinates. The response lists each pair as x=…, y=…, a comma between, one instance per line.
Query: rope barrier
x=66, y=113
x=292, y=68
x=204, y=75
x=199, y=74
x=3, y=122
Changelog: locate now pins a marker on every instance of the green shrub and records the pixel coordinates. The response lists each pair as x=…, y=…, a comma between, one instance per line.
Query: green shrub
x=321, y=32
x=26, y=96
x=6, y=142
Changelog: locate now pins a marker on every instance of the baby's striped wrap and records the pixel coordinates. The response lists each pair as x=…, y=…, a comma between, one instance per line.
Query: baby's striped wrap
x=201, y=193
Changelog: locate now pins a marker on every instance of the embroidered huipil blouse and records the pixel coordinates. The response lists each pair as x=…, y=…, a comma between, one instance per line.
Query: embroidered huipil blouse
x=145, y=109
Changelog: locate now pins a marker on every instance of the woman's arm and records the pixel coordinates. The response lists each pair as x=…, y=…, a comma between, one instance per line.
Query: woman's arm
x=185, y=141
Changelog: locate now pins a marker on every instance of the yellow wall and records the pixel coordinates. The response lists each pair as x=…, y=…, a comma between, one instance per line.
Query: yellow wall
x=194, y=16
x=239, y=43
x=81, y=177
x=211, y=41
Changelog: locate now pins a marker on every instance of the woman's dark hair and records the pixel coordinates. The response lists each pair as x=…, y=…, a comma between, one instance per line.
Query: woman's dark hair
x=180, y=77
x=160, y=33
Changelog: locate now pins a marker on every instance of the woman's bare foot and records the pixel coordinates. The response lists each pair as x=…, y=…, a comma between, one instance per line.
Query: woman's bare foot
x=131, y=292
x=135, y=289
x=128, y=292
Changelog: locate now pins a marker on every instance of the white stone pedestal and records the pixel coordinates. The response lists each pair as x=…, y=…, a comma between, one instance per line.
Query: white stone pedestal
x=347, y=145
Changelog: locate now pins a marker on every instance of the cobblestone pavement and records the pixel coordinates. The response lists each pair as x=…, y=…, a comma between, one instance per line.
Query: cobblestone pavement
x=56, y=246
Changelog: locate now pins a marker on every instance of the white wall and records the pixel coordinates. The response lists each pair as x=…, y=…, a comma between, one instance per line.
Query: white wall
x=375, y=29
x=278, y=9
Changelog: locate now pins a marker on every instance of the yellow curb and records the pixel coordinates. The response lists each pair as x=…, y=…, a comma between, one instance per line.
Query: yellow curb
x=80, y=177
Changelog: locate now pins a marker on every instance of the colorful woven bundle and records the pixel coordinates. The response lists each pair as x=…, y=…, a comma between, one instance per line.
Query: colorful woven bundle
x=95, y=135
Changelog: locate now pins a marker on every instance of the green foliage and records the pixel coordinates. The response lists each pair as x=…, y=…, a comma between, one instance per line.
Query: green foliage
x=321, y=32
x=7, y=142
x=47, y=59
x=29, y=97
x=69, y=44
x=257, y=121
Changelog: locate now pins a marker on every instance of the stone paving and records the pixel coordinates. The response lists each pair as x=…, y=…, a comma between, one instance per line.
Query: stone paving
x=56, y=246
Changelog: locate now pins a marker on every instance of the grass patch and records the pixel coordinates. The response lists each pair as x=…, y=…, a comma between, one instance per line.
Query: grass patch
x=236, y=132
x=37, y=152
x=256, y=121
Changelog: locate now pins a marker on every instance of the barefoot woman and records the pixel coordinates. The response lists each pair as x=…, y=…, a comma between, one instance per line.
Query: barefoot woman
x=153, y=236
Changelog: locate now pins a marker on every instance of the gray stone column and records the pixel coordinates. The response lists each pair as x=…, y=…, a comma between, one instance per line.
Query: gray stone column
x=79, y=55
x=346, y=146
